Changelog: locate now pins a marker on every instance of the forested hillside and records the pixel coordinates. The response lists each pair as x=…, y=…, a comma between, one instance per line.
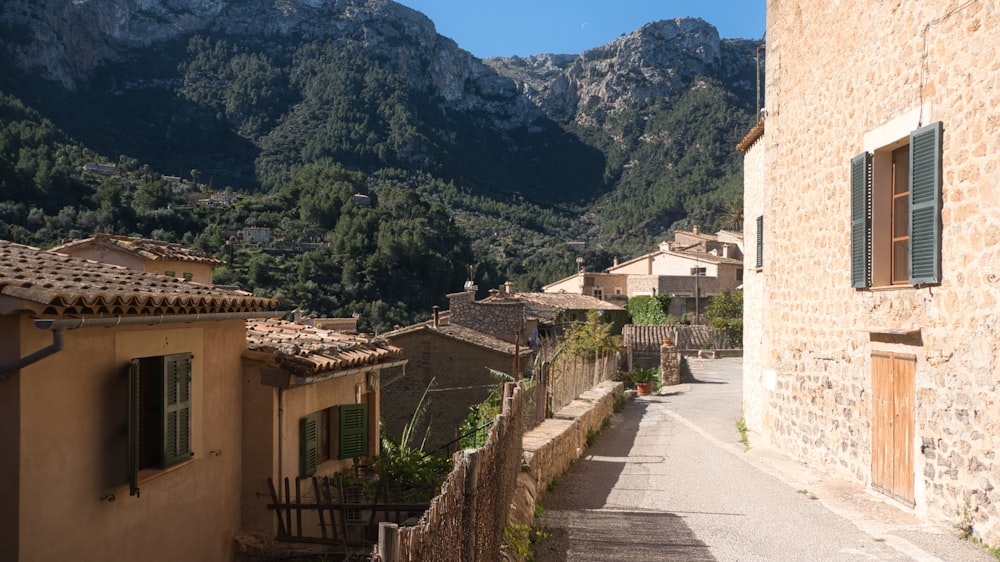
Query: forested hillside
x=462, y=169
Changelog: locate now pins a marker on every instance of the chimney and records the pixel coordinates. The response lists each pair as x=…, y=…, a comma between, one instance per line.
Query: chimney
x=508, y=289
x=694, y=229
x=437, y=315
x=615, y=262
x=725, y=251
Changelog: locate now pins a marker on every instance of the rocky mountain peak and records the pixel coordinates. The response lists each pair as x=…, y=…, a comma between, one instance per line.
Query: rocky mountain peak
x=656, y=60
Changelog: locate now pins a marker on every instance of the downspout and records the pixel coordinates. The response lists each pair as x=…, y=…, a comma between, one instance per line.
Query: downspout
x=281, y=440
x=57, y=345
x=58, y=326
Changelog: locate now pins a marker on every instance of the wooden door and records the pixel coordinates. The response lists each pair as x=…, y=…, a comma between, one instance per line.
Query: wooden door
x=893, y=424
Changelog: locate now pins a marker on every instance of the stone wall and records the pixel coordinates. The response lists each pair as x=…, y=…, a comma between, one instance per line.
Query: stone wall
x=461, y=375
x=810, y=335
x=551, y=448
x=501, y=320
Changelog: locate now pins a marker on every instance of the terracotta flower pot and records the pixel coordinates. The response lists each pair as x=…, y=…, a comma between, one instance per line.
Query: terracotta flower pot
x=644, y=388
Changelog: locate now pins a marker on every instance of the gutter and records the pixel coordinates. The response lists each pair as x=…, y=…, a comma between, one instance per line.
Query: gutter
x=58, y=326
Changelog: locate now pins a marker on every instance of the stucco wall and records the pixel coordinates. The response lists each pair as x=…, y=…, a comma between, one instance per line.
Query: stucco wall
x=74, y=408
x=924, y=62
x=265, y=440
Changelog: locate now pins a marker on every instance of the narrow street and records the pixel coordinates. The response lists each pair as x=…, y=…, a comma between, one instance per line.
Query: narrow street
x=670, y=480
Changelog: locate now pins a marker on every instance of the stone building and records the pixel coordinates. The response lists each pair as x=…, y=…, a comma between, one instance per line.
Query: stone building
x=873, y=270
x=458, y=359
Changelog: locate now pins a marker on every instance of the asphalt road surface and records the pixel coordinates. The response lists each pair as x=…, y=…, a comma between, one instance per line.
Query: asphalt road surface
x=670, y=480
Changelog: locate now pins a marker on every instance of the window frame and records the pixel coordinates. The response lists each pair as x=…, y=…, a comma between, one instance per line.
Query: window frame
x=873, y=226
x=347, y=436
x=160, y=409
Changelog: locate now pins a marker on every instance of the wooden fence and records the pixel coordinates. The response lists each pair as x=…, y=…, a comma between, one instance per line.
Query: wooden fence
x=327, y=510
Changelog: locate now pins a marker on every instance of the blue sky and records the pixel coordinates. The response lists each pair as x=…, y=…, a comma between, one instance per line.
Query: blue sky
x=491, y=28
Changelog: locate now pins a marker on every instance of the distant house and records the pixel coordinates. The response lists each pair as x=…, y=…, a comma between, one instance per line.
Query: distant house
x=362, y=200
x=171, y=179
x=311, y=405
x=551, y=313
x=153, y=256
x=120, y=400
x=611, y=287
x=692, y=268
x=101, y=169
x=256, y=235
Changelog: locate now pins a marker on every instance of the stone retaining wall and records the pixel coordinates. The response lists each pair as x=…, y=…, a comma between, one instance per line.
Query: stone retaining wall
x=550, y=449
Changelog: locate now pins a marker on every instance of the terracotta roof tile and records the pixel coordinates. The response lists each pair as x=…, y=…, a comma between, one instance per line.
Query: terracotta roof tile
x=145, y=248
x=307, y=351
x=565, y=301
x=51, y=283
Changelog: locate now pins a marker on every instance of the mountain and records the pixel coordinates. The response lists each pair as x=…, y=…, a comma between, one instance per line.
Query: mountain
x=613, y=146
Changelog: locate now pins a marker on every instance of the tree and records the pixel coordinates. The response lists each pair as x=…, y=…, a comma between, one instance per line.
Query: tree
x=648, y=310
x=725, y=314
x=591, y=338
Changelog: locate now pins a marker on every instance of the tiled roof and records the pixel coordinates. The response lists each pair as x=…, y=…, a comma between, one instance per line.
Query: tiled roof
x=755, y=133
x=705, y=257
x=461, y=333
x=51, y=283
x=563, y=301
x=307, y=351
x=146, y=249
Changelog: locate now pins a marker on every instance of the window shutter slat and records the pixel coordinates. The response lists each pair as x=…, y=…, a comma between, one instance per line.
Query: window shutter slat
x=176, y=408
x=134, y=425
x=760, y=241
x=925, y=205
x=353, y=431
x=308, y=445
x=861, y=221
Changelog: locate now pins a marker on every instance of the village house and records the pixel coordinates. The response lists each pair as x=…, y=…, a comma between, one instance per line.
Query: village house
x=120, y=404
x=153, y=256
x=311, y=406
x=459, y=359
x=692, y=268
x=871, y=327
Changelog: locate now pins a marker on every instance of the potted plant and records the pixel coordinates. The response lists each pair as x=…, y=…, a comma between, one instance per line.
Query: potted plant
x=643, y=379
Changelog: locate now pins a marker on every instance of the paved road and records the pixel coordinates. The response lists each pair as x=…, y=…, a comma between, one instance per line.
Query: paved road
x=669, y=480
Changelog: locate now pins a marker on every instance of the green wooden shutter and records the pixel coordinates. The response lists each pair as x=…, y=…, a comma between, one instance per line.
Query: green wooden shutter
x=925, y=205
x=353, y=438
x=861, y=221
x=176, y=409
x=134, y=399
x=760, y=241
x=307, y=445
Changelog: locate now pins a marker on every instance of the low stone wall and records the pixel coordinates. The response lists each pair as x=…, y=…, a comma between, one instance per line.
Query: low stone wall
x=550, y=449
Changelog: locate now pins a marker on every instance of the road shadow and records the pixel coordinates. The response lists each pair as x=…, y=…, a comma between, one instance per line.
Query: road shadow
x=618, y=535
x=589, y=482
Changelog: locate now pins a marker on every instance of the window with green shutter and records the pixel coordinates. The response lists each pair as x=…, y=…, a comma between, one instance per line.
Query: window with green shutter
x=896, y=212
x=159, y=414
x=925, y=205
x=760, y=242
x=353, y=438
x=308, y=447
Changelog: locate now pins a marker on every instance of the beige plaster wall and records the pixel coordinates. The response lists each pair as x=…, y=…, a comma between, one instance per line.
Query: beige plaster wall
x=74, y=408
x=883, y=61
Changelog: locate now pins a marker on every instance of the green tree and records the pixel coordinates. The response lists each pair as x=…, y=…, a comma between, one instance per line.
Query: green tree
x=725, y=314
x=648, y=310
x=591, y=338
